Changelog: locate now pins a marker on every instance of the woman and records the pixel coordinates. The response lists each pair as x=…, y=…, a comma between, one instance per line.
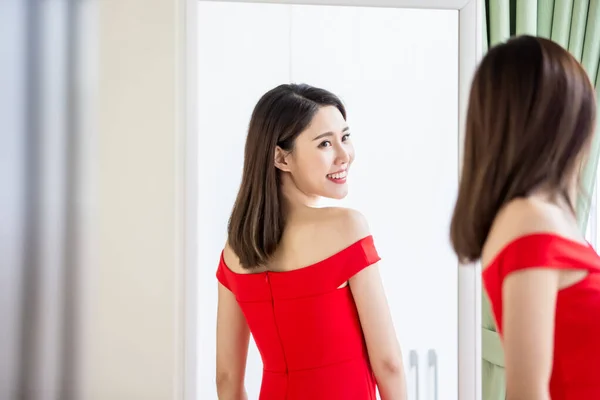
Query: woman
x=302, y=279
x=530, y=122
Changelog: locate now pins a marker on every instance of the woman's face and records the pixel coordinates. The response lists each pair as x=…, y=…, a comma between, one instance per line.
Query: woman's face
x=321, y=157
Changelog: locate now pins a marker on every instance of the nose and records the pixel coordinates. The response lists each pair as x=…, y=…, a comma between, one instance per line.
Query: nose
x=343, y=156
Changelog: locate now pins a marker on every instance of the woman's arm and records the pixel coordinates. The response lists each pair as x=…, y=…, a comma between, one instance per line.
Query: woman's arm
x=376, y=321
x=529, y=304
x=233, y=336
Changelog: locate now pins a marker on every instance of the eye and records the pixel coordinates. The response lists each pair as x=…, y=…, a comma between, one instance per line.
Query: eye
x=345, y=137
x=325, y=143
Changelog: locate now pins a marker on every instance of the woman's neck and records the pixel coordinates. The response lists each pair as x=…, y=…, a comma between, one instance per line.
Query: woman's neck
x=565, y=199
x=293, y=198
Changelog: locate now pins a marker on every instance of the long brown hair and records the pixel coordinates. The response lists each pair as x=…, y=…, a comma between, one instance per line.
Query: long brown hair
x=257, y=220
x=531, y=114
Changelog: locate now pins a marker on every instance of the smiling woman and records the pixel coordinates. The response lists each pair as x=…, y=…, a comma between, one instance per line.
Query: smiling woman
x=168, y=161
x=294, y=141
x=318, y=337
x=397, y=164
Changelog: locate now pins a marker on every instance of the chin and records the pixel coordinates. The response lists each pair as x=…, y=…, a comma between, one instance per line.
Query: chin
x=337, y=195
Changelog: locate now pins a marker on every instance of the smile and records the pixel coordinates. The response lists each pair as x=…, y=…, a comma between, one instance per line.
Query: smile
x=338, y=177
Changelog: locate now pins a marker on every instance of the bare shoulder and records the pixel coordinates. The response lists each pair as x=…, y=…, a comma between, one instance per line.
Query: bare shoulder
x=348, y=224
x=522, y=217
x=231, y=259
x=318, y=234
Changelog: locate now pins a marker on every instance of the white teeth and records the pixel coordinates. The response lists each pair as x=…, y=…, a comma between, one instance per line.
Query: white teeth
x=338, y=175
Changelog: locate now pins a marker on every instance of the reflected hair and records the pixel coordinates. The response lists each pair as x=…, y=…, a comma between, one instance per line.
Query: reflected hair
x=530, y=119
x=258, y=218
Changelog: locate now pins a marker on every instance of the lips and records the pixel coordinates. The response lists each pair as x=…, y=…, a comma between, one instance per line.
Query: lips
x=338, y=175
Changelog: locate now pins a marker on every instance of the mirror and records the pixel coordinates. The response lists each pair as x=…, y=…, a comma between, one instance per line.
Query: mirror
x=397, y=72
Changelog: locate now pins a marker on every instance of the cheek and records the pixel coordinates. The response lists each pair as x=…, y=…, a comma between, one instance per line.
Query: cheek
x=319, y=166
x=313, y=165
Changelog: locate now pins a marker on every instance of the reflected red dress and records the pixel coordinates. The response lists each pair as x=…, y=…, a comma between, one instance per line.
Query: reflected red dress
x=576, y=365
x=306, y=329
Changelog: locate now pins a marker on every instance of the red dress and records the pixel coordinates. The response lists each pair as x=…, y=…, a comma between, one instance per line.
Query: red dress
x=576, y=365
x=306, y=329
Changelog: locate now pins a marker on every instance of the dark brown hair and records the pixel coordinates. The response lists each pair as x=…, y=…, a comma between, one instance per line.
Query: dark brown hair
x=258, y=219
x=531, y=115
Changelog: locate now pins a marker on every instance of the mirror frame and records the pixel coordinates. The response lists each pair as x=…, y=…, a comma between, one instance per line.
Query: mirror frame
x=470, y=36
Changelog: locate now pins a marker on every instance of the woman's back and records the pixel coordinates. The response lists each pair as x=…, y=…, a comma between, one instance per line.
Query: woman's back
x=301, y=312
x=529, y=127
x=295, y=275
x=543, y=282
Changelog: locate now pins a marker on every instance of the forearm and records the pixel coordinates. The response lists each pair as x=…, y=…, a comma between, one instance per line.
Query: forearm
x=230, y=389
x=527, y=392
x=526, y=382
x=391, y=384
x=528, y=396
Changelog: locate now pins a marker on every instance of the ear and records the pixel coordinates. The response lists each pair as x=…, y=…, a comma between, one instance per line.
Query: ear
x=281, y=159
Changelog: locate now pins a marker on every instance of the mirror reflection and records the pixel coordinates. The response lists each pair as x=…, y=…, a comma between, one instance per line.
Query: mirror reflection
x=364, y=169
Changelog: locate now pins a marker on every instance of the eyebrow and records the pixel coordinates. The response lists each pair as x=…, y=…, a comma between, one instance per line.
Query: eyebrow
x=322, y=135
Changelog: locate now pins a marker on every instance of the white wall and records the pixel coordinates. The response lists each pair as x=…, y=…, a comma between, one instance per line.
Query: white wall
x=133, y=297
x=397, y=72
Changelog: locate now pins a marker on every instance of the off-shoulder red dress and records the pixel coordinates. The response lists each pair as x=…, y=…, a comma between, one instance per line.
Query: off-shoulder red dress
x=576, y=365
x=306, y=329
